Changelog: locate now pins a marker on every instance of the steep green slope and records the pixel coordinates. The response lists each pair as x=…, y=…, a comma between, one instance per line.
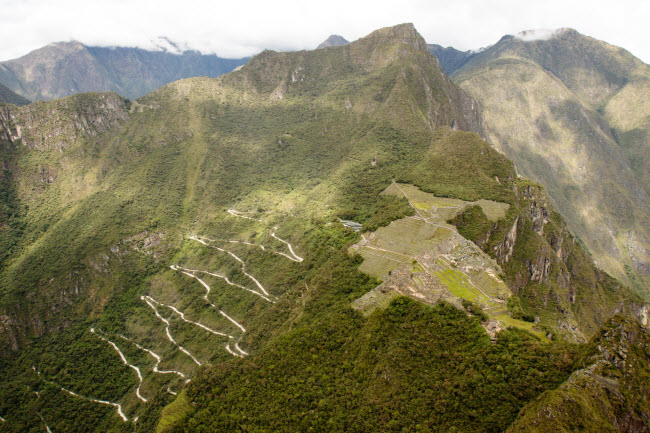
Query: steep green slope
x=409, y=367
x=570, y=111
x=66, y=68
x=609, y=395
x=9, y=97
x=197, y=229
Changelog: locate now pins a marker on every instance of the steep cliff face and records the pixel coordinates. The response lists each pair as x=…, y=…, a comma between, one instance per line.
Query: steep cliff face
x=611, y=394
x=54, y=125
x=39, y=173
x=548, y=269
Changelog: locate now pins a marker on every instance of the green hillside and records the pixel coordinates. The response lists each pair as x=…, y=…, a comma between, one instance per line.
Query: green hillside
x=195, y=234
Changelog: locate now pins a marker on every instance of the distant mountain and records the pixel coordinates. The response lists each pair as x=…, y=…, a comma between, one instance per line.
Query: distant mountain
x=333, y=41
x=450, y=58
x=573, y=113
x=65, y=68
x=9, y=97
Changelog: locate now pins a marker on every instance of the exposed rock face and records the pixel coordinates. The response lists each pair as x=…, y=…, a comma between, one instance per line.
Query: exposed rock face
x=7, y=336
x=538, y=207
x=57, y=124
x=503, y=251
x=546, y=266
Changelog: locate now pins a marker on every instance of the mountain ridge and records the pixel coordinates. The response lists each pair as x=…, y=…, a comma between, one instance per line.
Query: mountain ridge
x=64, y=68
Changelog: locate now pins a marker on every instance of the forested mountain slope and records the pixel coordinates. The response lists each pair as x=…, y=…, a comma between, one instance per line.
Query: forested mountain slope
x=195, y=234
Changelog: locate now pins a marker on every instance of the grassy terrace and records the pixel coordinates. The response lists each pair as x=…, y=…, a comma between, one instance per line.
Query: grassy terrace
x=427, y=259
x=174, y=412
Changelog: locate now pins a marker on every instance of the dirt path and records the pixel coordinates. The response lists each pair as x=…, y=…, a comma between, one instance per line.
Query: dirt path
x=231, y=352
x=169, y=335
x=182, y=316
x=409, y=200
x=239, y=349
x=157, y=357
x=94, y=400
x=125, y=362
x=239, y=214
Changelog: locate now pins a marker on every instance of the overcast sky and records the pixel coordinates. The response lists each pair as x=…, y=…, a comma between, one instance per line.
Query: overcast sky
x=237, y=28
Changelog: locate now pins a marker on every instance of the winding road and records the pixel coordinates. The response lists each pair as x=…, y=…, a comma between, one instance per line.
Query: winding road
x=169, y=335
x=125, y=362
x=109, y=403
x=157, y=357
x=239, y=214
x=233, y=255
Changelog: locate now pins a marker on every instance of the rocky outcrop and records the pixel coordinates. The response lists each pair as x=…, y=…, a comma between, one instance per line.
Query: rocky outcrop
x=8, y=130
x=56, y=124
x=547, y=267
x=538, y=206
x=611, y=394
x=503, y=251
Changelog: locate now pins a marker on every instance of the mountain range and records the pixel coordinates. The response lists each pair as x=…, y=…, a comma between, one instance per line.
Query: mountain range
x=65, y=68
x=319, y=240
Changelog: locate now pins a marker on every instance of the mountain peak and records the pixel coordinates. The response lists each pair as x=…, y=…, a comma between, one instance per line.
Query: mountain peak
x=404, y=33
x=333, y=41
x=541, y=34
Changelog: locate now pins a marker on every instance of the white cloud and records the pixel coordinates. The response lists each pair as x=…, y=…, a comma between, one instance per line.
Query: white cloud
x=538, y=34
x=240, y=28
